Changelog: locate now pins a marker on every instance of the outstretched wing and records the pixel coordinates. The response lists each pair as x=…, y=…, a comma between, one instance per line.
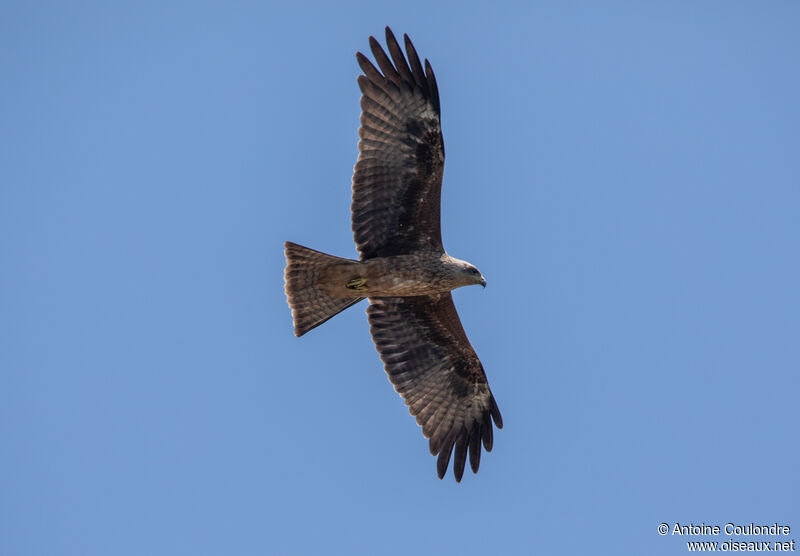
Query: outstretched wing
x=398, y=177
x=433, y=367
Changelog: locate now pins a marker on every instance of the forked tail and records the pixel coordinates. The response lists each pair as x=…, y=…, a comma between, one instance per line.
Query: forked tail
x=311, y=305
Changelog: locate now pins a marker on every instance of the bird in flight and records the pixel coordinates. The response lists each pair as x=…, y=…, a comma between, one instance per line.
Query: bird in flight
x=403, y=269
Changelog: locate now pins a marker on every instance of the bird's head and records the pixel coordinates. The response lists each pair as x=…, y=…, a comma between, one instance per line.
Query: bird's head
x=464, y=273
x=475, y=276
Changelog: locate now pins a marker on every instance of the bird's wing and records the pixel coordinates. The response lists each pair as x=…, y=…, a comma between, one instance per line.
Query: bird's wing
x=397, y=181
x=434, y=368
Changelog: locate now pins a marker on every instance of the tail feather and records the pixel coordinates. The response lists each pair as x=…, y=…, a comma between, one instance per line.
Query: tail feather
x=311, y=305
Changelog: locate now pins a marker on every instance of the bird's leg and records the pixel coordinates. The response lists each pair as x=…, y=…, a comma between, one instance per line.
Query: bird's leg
x=357, y=284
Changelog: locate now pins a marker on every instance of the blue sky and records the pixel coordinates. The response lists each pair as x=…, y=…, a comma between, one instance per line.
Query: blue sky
x=625, y=174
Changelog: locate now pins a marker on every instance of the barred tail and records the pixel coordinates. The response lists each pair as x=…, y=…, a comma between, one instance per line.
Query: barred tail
x=311, y=306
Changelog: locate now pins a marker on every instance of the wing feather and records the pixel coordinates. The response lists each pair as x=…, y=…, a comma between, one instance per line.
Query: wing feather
x=460, y=456
x=416, y=67
x=398, y=177
x=384, y=63
x=432, y=365
x=398, y=58
x=475, y=447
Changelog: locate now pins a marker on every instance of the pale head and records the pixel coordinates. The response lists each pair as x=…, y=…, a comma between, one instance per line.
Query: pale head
x=463, y=273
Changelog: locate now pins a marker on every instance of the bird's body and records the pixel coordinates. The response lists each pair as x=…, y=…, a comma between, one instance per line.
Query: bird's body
x=398, y=276
x=403, y=268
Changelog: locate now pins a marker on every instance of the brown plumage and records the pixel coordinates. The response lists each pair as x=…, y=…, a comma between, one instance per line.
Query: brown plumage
x=403, y=268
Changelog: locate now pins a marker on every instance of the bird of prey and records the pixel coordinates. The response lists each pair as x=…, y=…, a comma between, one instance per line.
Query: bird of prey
x=403, y=269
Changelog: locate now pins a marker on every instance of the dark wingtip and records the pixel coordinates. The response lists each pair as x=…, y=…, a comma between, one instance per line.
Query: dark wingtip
x=498, y=419
x=446, y=450
x=475, y=447
x=487, y=434
x=374, y=44
x=441, y=469
x=363, y=62
x=460, y=456
x=389, y=35
x=432, y=86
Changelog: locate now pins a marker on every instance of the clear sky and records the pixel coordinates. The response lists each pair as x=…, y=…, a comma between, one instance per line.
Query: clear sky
x=626, y=175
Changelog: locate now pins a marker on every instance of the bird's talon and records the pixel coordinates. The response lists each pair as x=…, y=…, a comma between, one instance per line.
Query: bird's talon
x=357, y=284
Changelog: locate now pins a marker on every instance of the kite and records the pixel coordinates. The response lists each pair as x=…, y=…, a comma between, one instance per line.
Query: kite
x=403, y=269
